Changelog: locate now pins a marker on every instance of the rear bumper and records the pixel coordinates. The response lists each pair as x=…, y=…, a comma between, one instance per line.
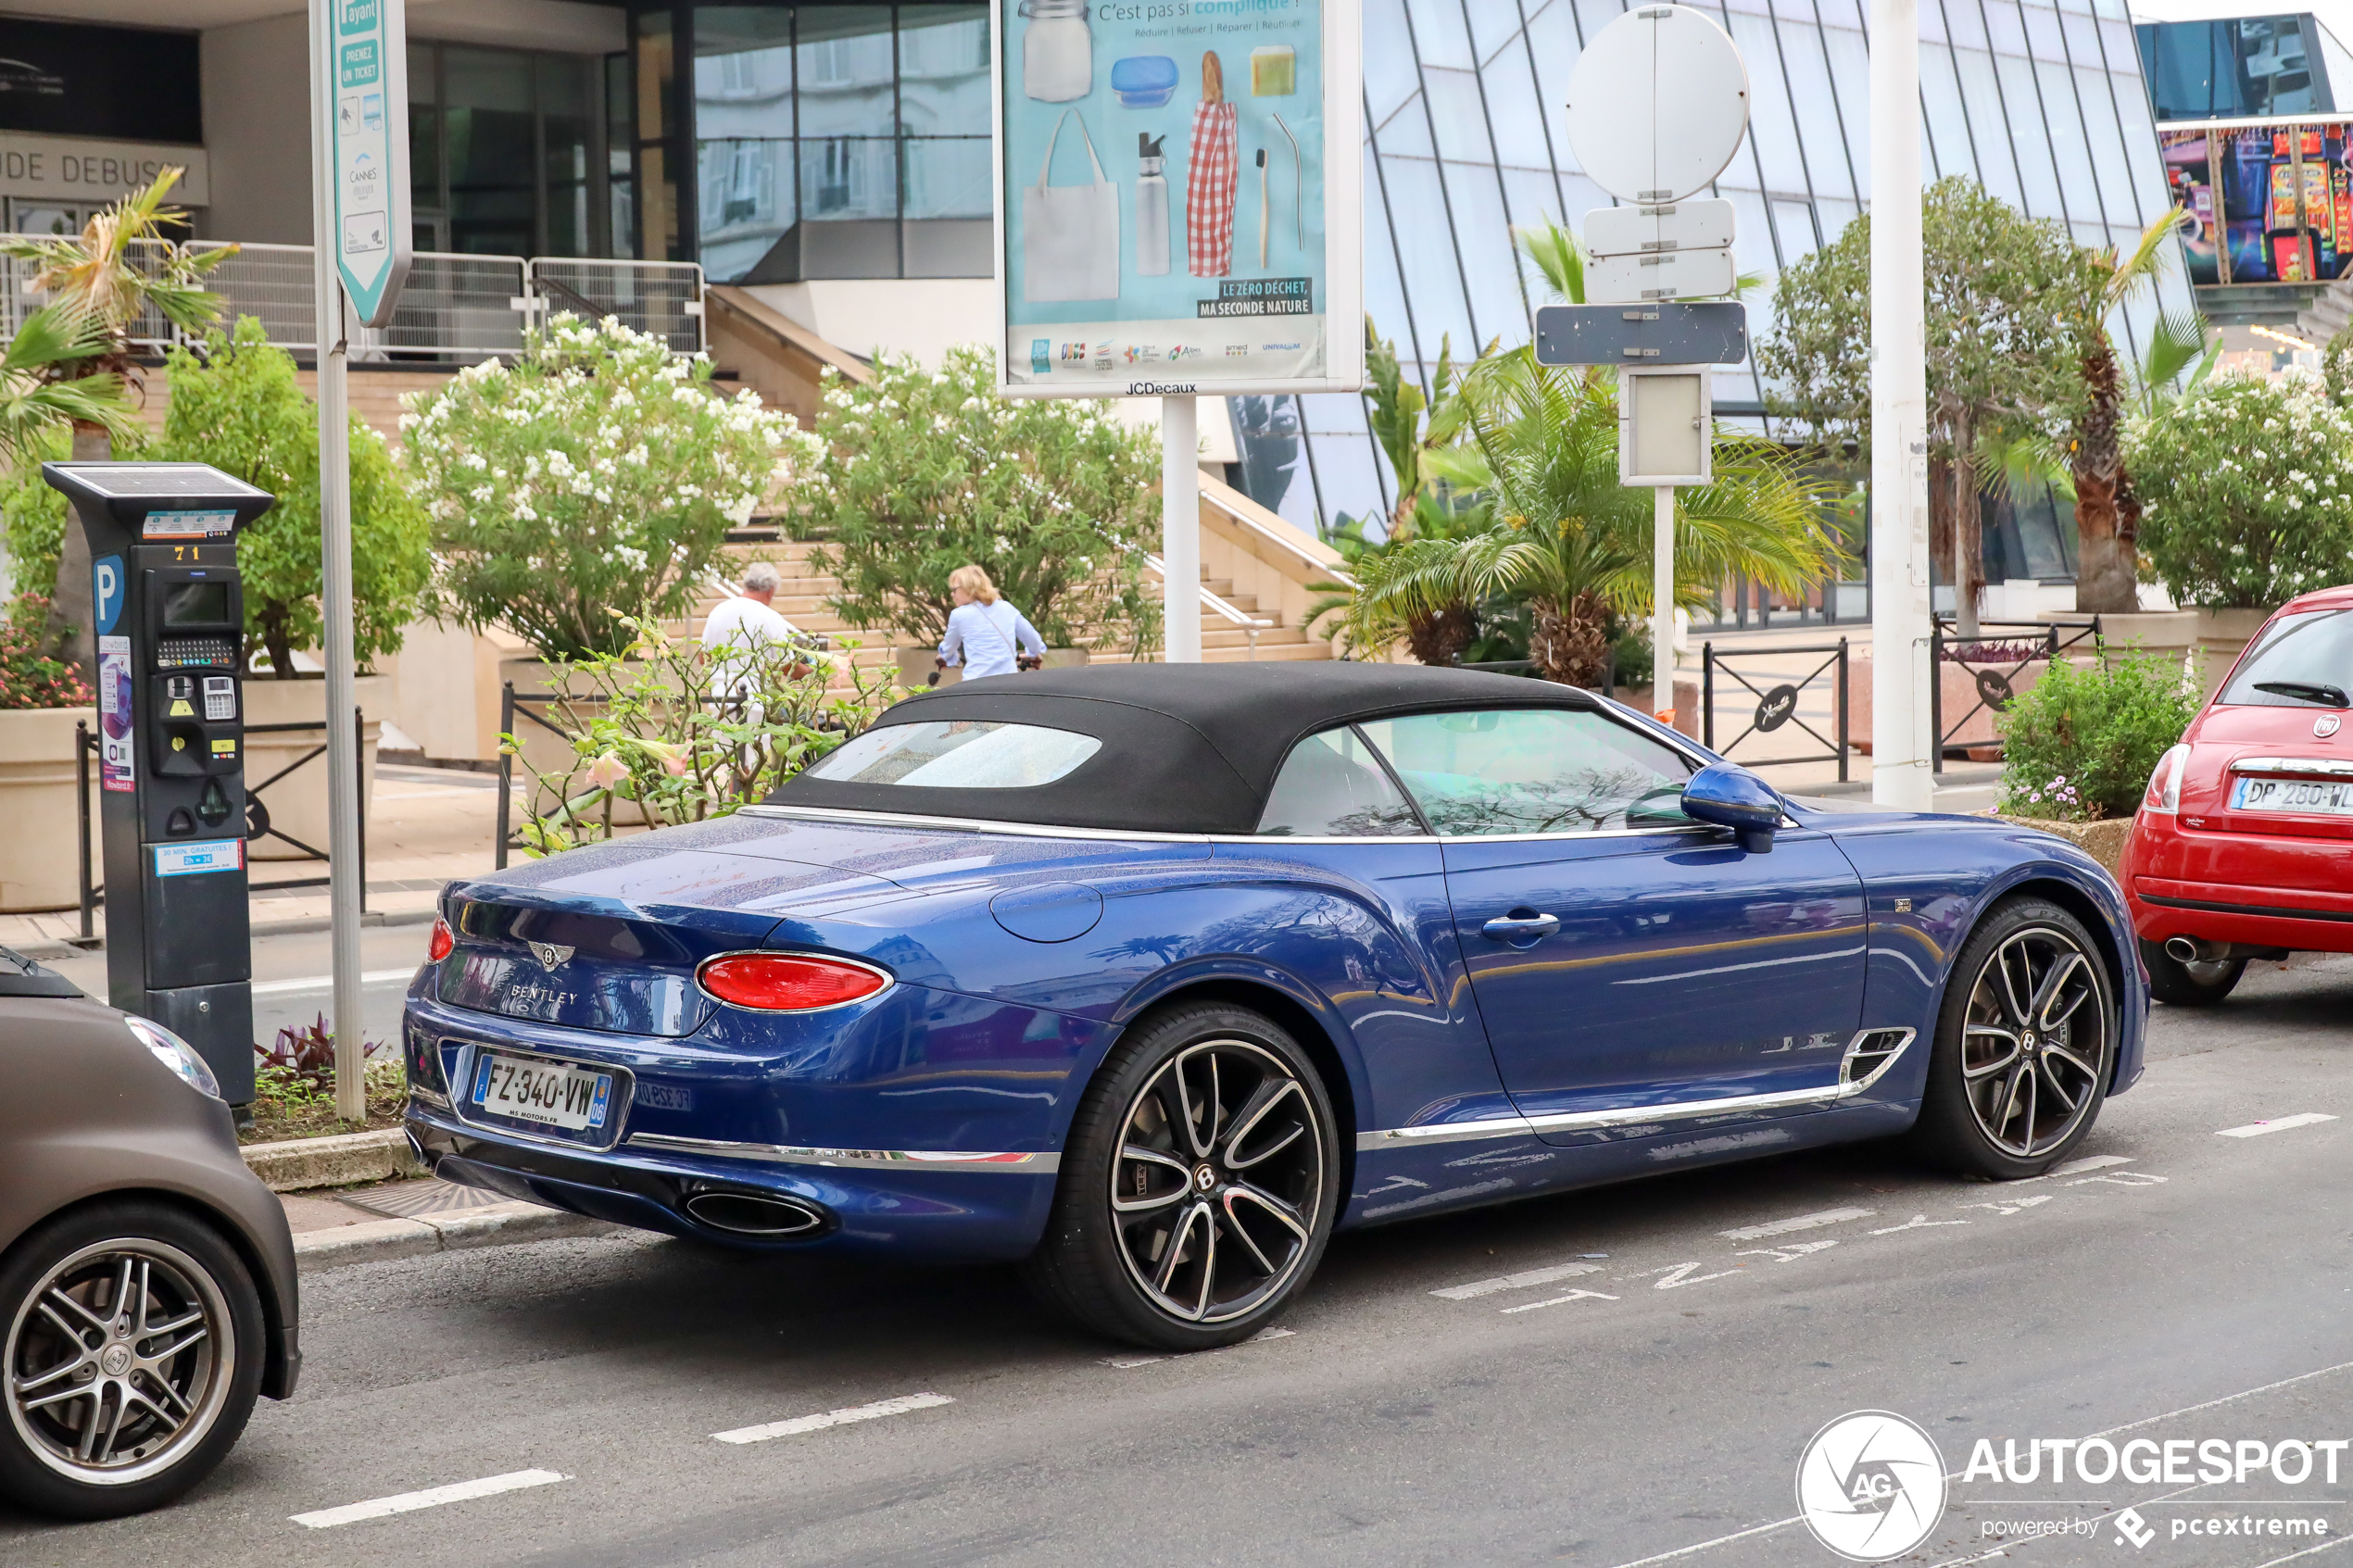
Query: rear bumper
x=965, y=1211
x=2301, y=898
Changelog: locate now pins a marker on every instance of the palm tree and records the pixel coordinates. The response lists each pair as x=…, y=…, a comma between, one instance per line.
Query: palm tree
x=2108, y=514
x=1541, y=447
x=95, y=276
x=34, y=403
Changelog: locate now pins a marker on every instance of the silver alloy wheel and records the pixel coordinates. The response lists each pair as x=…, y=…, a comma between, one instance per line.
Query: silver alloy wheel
x=1219, y=1177
x=119, y=1362
x=2034, y=1041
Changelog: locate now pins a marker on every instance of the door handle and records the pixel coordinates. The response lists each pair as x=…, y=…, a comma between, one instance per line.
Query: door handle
x=1521, y=928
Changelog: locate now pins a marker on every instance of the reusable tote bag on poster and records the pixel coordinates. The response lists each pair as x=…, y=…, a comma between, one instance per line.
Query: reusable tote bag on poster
x=1069, y=233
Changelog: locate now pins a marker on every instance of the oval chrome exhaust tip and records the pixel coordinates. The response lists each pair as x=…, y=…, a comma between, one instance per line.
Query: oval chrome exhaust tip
x=2182, y=949
x=743, y=1213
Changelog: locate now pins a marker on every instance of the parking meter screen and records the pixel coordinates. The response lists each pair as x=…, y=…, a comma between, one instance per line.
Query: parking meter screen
x=196, y=604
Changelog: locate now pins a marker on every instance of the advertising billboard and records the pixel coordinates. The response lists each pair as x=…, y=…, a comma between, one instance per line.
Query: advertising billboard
x=1178, y=199
x=2268, y=202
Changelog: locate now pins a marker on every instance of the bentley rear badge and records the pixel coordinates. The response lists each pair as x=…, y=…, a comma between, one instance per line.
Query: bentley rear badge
x=552, y=955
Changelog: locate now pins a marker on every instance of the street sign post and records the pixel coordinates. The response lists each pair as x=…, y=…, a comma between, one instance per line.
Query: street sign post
x=369, y=133
x=1664, y=332
x=1657, y=106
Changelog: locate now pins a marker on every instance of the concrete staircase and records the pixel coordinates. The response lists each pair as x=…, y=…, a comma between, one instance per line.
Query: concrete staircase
x=801, y=598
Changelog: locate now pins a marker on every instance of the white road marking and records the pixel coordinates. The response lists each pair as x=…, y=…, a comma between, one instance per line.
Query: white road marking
x=1682, y=1275
x=1918, y=1223
x=1124, y=1362
x=2012, y=1205
x=1789, y=1254
x=1520, y=1281
x=2257, y=1129
x=326, y=981
x=800, y=1424
x=432, y=1497
x=1800, y=1222
x=2077, y=1167
x=2124, y=1179
x=1572, y=1296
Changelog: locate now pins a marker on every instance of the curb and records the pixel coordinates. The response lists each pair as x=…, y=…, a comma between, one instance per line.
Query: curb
x=340, y=1159
x=378, y=1241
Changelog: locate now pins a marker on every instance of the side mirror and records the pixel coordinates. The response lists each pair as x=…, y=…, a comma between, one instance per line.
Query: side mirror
x=1729, y=795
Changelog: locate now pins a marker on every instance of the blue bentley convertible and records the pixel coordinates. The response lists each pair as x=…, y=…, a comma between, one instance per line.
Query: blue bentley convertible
x=1154, y=977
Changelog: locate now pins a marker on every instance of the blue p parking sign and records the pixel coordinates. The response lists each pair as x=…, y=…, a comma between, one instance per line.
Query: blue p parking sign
x=105, y=591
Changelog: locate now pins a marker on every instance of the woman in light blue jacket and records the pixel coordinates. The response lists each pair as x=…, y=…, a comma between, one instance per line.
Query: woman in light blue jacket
x=985, y=634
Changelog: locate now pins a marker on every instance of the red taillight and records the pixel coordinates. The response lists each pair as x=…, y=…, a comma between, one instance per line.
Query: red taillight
x=439, y=947
x=788, y=981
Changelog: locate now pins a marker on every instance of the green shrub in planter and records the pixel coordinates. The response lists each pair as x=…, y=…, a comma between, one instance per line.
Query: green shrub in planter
x=2246, y=497
x=2079, y=744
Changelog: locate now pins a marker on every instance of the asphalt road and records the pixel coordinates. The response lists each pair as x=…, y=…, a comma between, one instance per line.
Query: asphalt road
x=2176, y=1285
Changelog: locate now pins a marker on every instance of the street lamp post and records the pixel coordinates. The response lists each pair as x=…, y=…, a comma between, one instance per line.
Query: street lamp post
x=1900, y=609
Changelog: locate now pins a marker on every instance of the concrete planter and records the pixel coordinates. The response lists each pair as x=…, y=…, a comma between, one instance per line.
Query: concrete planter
x=1964, y=686
x=2102, y=841
x=915, y=672
x=39, y=852
x=298, y=803
x=2222, y=635
x=542, y=748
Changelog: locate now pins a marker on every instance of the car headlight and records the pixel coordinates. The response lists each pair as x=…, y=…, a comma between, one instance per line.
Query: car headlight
x=2165, y=783
x=176, y=1054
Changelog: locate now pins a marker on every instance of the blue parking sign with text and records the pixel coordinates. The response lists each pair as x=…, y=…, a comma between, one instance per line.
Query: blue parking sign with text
x=372, y=232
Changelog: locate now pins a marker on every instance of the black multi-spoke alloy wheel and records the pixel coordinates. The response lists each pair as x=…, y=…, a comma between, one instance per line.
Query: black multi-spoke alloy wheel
x=1199, y=1184
x=133, y=1351
x=2025, y=1045
x=2189, y=985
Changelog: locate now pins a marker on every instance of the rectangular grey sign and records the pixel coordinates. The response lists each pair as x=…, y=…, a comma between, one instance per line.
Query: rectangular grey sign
x=1663, y=332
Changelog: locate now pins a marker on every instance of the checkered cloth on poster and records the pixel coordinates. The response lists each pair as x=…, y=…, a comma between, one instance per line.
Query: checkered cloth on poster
x=1212, y=173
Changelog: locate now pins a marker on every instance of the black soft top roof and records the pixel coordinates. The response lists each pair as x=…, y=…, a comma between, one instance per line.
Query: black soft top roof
x=1186, y=748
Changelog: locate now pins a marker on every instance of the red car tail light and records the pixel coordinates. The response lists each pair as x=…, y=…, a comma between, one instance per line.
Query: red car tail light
x=439, y=947
x=788, y=981
x=2165, y=783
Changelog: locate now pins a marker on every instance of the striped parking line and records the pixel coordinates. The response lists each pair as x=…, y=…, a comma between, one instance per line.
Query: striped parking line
x=1796, y=1223
x=432, y=1497
x=2281, y=1124
x=1521, y=1281
x=800, y=1424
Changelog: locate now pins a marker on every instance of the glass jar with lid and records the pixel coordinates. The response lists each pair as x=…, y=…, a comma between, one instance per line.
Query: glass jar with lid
x=1057, y=51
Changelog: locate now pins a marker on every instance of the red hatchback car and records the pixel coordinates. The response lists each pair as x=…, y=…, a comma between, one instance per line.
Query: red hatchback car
x=2243, y=846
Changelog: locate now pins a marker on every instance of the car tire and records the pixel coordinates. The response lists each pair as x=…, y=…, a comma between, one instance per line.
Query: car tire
x=2189, y=985
x=176, y=1362
x=1199, y=1184
x=2025, y=1046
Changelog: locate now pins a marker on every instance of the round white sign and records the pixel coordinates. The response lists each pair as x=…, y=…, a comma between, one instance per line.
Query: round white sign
x=1657, y=104
x=1871, y=1486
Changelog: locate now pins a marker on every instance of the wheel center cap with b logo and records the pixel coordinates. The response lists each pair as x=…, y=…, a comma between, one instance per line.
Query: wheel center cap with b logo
x=116, y=1362
x=1204, y=1178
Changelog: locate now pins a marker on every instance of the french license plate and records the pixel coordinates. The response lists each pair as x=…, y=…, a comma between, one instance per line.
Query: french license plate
x=554, y=1094
x=2333, y=799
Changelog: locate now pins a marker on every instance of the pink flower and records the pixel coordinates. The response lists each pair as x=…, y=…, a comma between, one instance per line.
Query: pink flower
x=608, y=771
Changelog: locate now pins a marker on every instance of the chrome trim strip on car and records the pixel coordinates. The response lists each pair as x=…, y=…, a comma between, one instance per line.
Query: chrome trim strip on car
x=1039, y=830
x=1635, y=1115
x=2300, y=767
x=790, y=1154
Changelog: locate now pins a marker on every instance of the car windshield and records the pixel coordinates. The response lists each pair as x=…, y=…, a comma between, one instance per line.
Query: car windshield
x=958, y=754
x=2303, y=660
x=1541, y=770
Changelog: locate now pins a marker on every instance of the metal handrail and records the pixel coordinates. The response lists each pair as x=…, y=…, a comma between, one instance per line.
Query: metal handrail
x=1273, y=538
x=1250, y=625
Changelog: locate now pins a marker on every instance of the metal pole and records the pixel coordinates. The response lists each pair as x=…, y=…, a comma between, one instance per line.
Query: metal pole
x=334, y=571
x=1663, y=603
x=82, y=806
x=506, y=770
x=1900, y=747
x=1706, y=695
x=1846, y=717
x=1180, y=530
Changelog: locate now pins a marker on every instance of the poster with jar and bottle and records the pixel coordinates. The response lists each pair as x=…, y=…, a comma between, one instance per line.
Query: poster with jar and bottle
x=1178, y=197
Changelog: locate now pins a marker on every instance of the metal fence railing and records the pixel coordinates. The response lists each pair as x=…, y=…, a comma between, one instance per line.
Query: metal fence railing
x=455, y=306
x=1777, y=705
x=1995, y=679
x=661, y=298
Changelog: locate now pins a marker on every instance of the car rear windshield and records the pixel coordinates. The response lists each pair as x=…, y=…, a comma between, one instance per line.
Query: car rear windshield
x=2304, y=661
x=958, y=754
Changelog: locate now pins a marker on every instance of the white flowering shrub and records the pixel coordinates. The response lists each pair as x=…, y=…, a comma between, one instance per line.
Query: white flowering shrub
x=928, y=472
x=2246, y=495
x=589, y=482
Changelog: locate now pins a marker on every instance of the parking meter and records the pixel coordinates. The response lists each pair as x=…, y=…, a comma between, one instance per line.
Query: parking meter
x=170, y=617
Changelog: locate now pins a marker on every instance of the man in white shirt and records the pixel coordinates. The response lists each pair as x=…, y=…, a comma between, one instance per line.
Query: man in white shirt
x=740, y=628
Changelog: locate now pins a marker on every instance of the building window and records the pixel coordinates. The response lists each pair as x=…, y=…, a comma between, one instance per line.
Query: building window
x=841, y=141
x=503, y=152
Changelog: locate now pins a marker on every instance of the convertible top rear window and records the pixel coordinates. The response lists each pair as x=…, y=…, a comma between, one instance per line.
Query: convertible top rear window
x=959, y=754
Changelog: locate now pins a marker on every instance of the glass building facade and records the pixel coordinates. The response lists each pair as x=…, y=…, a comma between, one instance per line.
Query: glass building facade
x=2225, y=69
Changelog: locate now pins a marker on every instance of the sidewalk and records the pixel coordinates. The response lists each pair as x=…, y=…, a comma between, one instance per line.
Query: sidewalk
x=412, y=1219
